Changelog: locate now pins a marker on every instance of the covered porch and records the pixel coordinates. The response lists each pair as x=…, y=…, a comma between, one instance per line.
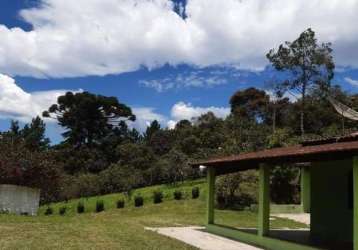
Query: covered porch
x=329, y=185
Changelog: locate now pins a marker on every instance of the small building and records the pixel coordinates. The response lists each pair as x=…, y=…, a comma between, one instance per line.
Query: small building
x=329, y=192
x=19, y=200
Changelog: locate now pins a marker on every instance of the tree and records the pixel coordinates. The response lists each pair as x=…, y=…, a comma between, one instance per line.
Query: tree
x=250, y=103
x=34, y=135
x=151, y=129
x=308, y=63
x=88, y=117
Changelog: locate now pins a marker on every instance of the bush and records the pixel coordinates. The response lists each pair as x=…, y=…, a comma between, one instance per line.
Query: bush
x=237, y=191
x=178, y=195
x=120, y=203
x=138, y=201
x=48, y=211
x=99, y=206
x=195, y=192
x=157, y=197
x=80, y=207
x=62, y=210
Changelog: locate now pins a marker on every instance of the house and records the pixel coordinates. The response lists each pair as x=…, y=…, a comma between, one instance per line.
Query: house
x=329, y=186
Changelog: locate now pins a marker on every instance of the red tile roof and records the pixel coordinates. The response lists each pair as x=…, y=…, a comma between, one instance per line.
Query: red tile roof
x=293, y=154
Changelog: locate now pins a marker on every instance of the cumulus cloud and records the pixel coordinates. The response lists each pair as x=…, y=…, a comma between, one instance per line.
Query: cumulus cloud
x=95, y=37
x=145, y=115
x=186, y=111
x=179, y=111
x=15, y=103
x=351, y=81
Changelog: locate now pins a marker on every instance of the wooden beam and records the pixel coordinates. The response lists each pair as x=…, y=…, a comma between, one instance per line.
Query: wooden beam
x=264, y=200
x=210, y=195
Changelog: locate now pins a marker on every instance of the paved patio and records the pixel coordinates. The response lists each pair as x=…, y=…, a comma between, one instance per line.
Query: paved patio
x=194, y=236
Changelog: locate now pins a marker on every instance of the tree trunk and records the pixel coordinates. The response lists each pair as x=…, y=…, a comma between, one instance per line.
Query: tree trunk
x=274, y=118
x=303, y=109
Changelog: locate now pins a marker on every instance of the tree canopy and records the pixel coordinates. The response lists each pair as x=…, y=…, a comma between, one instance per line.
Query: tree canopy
x=307, y=63
x=88, y=117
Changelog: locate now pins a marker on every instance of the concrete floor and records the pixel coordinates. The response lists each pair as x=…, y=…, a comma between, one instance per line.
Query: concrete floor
x=195, y=237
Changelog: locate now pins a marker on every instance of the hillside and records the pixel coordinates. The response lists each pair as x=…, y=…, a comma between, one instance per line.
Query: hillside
x=119, y=228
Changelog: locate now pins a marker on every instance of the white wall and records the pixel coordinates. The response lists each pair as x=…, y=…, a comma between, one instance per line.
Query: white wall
x=19, y=200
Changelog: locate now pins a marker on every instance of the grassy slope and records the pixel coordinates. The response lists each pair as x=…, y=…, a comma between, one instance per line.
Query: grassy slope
x=118, y=228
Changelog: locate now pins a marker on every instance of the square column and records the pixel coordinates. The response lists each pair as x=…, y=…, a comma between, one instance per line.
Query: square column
x=210, y=195
x=264, y=200
x=306, y=189
x=355, y=203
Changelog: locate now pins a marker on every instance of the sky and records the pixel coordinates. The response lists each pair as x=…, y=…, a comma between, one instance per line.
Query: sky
x=167, y=59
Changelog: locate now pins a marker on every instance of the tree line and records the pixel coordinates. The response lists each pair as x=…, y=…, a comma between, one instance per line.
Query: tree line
x=102, y=154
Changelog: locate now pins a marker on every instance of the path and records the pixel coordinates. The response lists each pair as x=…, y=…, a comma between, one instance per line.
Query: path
x=303, y=218
x=202, y=240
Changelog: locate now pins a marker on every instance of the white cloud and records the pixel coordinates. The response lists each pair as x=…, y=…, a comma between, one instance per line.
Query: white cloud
x=95, y=37
x=291, y=97
x=179, y=111
x=351, y=81
x=182, y=111
x=192, y=79
x=15, y=103
x=145, y=116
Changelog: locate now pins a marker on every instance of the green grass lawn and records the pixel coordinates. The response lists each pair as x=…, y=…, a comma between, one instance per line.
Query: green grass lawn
x=119, y=228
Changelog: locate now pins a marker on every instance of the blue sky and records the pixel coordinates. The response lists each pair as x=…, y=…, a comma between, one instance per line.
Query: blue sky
x=170, y=68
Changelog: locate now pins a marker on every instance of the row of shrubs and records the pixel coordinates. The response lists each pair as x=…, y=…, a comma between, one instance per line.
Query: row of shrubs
x=138, y=201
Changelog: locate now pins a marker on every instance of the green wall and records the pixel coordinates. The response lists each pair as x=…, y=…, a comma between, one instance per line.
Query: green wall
x=331, y=215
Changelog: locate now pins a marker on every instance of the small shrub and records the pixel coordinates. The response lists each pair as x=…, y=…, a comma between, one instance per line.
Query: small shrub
x=80, y=207
x=48, y=211
x=120, y=203
x=138, y=201
x=99, y=206
x=62, y=210
x=157, y=197
x=178, y=195
x=195, y=193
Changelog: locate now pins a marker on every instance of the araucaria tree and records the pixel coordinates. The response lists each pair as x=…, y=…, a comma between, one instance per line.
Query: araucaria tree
x=307, y=65
x=88, y=117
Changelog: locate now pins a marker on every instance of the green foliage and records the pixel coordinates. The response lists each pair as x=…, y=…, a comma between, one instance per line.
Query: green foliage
x=34, y=135
x=120, y=203
x=178, y=195
x=87, y=117
x=80, y=207
x=48, y=211
x=157, y=196
x=309, y=63
x=250, y=103
x=99, y=206
x=138, y=201
x=62, y=210
x=20, y=166
x=237, y=191
x=195, y=192
x=285, y=185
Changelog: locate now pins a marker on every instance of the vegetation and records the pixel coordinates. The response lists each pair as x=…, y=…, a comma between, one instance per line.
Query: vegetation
x=178, y=194
x=124, y=229
x=102, y=154
x=138, y=201
x=195, y=192
x=99, y=206
x=120, y=203
x=62, y=210
x=157, y=196
x=48, y=211
x=80, y=207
